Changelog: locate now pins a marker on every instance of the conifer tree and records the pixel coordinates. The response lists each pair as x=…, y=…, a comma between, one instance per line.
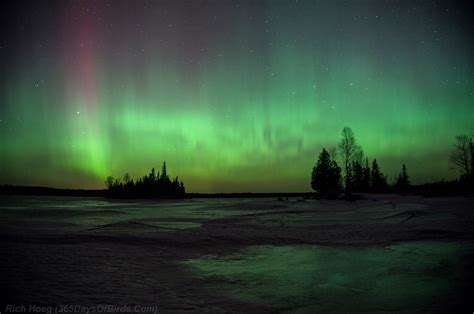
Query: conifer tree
x=403, y=181
x=366, y=177
x=379, y=181
x=164, y=174
x=326, y=176
x=357, y=176
x=151, y=185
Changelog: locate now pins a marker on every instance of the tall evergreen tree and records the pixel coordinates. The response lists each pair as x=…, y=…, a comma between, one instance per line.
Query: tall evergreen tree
x=175, y=186
x=402, y=184
x=378, y=180
x=164, y=174
x=326, y=176
x=357, y=176
x=366, y=176
x=152, y=175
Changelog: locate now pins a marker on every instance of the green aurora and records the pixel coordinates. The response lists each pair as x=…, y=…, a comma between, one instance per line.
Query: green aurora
x=234, y=96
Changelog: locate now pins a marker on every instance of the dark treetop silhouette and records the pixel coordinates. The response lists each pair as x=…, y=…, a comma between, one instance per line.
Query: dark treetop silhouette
x=153, y=185
x=402, y=185
x=326, y=174
x=326, y=178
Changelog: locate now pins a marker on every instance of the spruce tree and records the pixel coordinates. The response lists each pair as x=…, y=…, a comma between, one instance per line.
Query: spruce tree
x=403, y=181
x=326, y=176
x=357, y=176
x=379, y=182
x=152, y=175
x=366, y=177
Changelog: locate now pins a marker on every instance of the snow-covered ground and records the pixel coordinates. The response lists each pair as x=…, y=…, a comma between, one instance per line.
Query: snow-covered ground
x=380, y=254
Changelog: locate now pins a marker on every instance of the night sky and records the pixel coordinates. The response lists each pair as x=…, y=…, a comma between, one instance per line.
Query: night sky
x=235, y=95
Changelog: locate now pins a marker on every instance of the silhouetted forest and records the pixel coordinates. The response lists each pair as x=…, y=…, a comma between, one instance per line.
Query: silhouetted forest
x=360, y=177
x=328, y=179
x=153, y=185
x=443, y=188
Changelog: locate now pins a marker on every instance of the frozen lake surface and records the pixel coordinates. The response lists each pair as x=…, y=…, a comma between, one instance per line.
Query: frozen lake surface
x=382, y=254
x=319, y=279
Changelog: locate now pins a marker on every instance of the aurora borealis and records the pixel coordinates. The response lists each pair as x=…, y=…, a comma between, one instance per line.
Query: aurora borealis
x=236, y=96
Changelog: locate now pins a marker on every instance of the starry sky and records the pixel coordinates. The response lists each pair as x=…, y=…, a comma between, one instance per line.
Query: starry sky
x=236, y=96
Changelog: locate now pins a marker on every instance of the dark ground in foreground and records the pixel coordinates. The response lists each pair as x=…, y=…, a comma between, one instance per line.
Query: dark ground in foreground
x=382, y=254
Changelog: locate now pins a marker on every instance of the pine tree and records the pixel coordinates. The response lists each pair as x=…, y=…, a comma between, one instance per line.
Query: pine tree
x=357, y=176
x=379, y=181
x=164, y=174
x=152, y=175
x=334, y=180
x=403, y=181
x=326, y=176
x=366, y=177
x=175, y=187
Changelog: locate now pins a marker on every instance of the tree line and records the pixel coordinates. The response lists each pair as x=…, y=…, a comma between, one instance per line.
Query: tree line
x=155, y=185
x=357, y=175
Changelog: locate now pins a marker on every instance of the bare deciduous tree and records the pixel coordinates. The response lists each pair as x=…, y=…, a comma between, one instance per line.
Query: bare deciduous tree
x=349, y=152
x=462, y=154
x=333, y=152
